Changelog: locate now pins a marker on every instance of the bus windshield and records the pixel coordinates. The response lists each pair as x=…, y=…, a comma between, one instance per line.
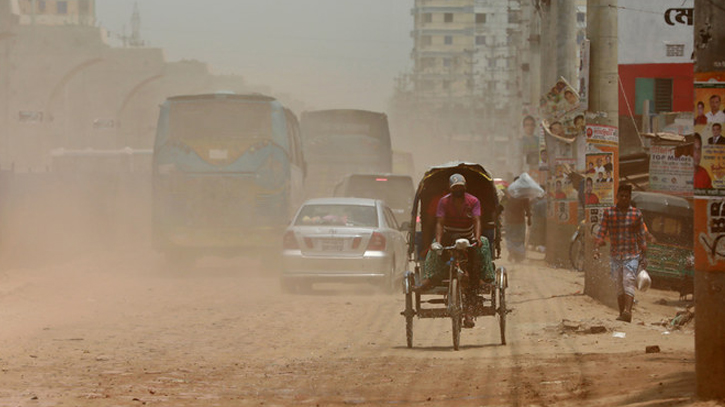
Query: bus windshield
x=219, y=119
x=340, y=145
x=397, y=192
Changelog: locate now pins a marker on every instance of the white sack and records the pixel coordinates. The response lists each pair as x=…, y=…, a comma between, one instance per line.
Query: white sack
x=525, y=187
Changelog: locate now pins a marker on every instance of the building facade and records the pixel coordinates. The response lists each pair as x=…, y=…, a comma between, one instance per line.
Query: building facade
x=467, y=67
x=62, y=86
x=657, y=67
x=57, y=12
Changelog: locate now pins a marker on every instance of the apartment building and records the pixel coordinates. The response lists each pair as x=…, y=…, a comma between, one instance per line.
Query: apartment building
x=465, y=49
x=467, y=59
x=57, y=12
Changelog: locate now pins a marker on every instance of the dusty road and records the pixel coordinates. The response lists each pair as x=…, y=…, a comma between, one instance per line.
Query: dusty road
x=116, y=329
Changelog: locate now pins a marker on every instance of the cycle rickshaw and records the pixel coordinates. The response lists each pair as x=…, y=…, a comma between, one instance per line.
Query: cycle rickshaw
x=448, y=298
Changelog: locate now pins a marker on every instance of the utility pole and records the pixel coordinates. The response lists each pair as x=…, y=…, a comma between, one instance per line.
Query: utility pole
x=558, y=53
x=602, y=31
x=566, y=61
x=549, y=55
x=709, y=219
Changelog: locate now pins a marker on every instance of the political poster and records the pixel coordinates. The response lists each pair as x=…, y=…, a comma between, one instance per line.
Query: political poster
x=710, y=234
x=709, y=172
x=602, y=134
x=559, y=100
x=562, y=192
x=670, y=172
x=601, y=170
x=599, y=179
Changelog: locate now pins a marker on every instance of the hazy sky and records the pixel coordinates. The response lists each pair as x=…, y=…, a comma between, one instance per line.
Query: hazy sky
x=327, y=53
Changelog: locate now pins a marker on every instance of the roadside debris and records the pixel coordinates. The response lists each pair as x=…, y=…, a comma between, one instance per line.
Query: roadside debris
x=681, y=319
x=579, y=327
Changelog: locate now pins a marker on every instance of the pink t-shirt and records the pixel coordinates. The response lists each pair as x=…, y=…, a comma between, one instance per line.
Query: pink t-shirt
x=454, y=218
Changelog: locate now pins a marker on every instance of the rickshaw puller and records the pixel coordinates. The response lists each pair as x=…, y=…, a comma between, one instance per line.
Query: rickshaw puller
x=458, y=216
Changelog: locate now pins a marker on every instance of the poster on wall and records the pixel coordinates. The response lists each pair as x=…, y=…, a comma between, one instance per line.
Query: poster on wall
x=562, y=191
x=561, y=99
x=599, y=178
x=709, y=171
x=584, y=63
x=669, y=172
x=563, y=123
x=543, y=155
x=599, y=134
x=601, y=170
x=710, y=234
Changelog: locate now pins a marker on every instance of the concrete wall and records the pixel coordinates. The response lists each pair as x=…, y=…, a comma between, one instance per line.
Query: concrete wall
x=63, y=86
x=644, y=20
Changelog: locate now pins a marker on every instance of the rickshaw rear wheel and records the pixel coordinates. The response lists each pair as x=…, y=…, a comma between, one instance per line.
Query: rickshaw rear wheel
x=501, y=312
x=409, y=319
x=454, y=306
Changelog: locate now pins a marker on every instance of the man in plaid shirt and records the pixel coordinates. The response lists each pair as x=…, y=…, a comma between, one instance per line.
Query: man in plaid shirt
x=627, y=233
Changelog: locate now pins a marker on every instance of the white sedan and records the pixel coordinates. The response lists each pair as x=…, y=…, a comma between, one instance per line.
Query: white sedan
x=343, y=240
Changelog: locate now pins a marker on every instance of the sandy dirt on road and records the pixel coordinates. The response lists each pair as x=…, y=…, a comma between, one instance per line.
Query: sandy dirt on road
x=120, y=329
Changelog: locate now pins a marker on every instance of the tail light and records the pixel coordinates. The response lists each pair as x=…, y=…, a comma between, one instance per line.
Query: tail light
x=289, y=241
x=377, y=242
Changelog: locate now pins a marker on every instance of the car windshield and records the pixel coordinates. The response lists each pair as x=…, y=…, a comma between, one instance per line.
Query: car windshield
x=337, y=215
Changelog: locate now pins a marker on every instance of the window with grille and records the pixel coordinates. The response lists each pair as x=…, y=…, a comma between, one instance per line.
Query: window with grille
x=675, y=50
x=448, y=17
x=658, y=91
x=663, y=95
x=480, y=18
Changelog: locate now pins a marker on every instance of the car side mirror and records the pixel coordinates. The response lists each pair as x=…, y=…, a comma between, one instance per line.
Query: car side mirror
x=405, y=226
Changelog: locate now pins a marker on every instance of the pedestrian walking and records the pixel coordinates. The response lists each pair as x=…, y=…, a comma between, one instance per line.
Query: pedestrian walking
x=517, y=214
x=537, y=232
x=628, y=247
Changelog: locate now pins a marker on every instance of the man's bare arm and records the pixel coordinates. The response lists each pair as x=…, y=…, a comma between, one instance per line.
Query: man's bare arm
x=477, y=228
x=439, y=230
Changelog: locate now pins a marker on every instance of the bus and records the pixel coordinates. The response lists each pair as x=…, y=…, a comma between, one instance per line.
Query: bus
x=228, y=174
x=342, y=142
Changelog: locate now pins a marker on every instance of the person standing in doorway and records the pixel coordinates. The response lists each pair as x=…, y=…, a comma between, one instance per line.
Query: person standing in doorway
x=627, y=234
